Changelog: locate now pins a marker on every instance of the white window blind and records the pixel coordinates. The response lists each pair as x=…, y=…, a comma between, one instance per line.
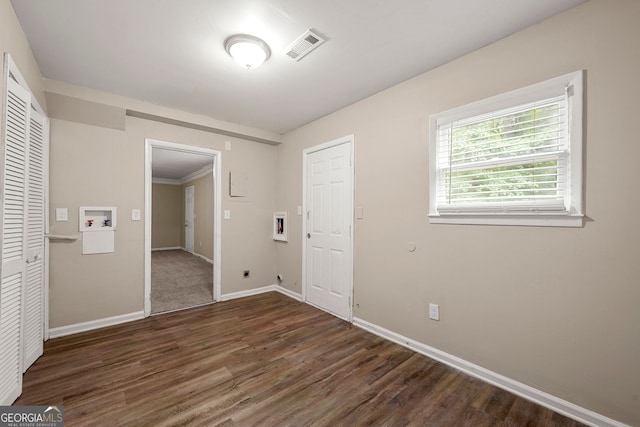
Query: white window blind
x=514, y=156
x=510, y=160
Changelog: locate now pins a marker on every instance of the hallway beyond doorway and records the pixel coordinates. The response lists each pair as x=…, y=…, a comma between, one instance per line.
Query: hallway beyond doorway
x=179, y=280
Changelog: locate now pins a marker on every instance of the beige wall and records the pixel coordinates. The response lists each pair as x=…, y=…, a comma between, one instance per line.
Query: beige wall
x=99, y=102
x=554, y=308
x=93, y=165
x=166, y=216
x=203, y=207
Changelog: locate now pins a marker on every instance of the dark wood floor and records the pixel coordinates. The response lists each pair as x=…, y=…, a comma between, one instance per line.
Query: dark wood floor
x=265, y=360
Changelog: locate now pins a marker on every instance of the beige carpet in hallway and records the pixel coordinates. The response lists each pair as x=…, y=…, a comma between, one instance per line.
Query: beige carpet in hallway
x=179, y=280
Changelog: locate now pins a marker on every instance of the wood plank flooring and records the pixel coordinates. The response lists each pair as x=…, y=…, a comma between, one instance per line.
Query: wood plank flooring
x=265, y=360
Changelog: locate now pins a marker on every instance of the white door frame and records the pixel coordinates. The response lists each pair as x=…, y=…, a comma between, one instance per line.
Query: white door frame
x=217, y=201
x=189, y=216
x=349, y=139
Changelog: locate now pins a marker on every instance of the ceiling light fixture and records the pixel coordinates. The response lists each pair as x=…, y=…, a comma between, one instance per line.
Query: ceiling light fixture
x=248, y=51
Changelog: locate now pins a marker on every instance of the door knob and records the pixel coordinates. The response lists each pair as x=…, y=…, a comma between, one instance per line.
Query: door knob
x=308, y=235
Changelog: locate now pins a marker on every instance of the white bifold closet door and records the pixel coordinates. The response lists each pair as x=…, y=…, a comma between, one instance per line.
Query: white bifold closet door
x=34, y=289
x=24, y=166
x=14, y=220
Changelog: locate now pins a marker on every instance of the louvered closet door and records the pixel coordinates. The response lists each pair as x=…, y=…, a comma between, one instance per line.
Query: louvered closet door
x=34, y=290
x=14, y=219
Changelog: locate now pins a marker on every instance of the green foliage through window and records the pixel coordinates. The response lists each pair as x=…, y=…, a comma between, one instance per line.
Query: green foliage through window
x=511, y=159
x=512, y=156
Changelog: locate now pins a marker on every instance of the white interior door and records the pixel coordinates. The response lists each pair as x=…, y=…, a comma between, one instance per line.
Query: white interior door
x=14, y=220
x=189, y=216
x=34, y=290
x=329, y=219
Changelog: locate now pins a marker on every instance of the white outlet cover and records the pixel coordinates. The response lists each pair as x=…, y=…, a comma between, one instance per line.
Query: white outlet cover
x=62, y=214
x=434, y=311
x=135, y=215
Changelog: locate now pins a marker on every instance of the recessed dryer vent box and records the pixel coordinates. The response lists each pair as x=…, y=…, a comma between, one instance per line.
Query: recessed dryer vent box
x=98, y=225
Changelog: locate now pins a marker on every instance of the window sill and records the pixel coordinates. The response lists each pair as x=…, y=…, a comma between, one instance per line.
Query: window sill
x=574, y=221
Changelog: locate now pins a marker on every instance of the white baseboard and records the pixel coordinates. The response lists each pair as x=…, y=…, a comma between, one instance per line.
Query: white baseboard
x=284, y=291
x=262, y=290
x=247, y=293
x=173, y=248
x=556, y=404
x=94, y=324
x=210, y=261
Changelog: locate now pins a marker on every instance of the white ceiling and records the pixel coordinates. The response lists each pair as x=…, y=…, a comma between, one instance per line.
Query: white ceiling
x=175, y=165
x=170, y=52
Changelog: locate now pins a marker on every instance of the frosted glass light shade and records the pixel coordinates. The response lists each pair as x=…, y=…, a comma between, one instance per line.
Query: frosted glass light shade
x=247, y=51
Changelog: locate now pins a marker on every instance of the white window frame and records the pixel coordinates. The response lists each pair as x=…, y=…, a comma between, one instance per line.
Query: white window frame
x=572, y=215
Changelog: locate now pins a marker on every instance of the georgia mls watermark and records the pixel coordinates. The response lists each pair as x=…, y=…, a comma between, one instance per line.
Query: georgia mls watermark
x=31, y=416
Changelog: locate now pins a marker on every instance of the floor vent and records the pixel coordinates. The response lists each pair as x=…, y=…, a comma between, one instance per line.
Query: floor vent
x=304, y=44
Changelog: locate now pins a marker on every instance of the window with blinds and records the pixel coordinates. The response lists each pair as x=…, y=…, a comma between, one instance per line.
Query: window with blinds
x=511, y=159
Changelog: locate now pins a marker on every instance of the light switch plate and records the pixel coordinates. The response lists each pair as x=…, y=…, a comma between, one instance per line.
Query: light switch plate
x=227, y=214
x=434, y=311
x=62, y=214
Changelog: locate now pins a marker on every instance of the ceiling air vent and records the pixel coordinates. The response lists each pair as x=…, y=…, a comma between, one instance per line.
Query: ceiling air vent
x=304, y=45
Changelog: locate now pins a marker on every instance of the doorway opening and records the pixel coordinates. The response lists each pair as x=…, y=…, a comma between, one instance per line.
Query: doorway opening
x=182, y=226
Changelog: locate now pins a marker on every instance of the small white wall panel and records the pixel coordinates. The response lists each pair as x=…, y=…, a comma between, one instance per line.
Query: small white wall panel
x=238, y=184
x=99, y=242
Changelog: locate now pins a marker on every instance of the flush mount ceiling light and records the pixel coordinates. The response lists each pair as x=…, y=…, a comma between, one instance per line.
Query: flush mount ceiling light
x=248, y=51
